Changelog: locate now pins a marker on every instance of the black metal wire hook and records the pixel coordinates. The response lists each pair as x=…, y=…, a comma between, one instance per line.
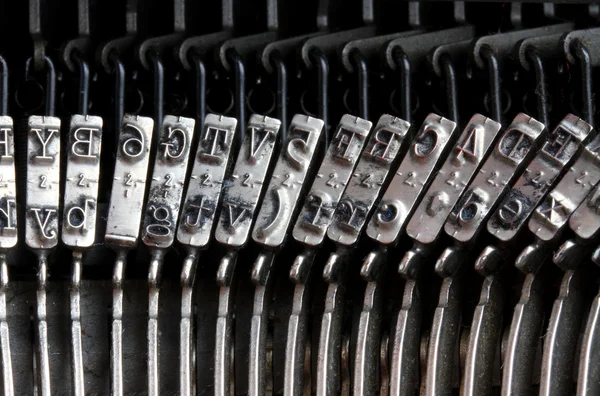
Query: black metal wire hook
x=3, y=86
x=403, y=64
x=282, y=90
x=541, y=89
x=583, y=56
x=50, y=83
x=362, y=69
x=320, y=61
x=451, y=86
x=119, y=88
x=240, y=91
x=200, y=70
x=488, y=55
x=158, y=70
x=84, y=83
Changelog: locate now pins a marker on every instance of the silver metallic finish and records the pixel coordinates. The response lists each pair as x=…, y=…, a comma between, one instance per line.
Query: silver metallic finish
x=283, y=192
x=411, y=179
x=556, y=208
x=41, y=226
x=523, y=338
x=472, y=148
x=196, y=226
x=116, y=334
x=160, y=220
x=123, y=223
x=513, y=151
x=444, y=333
x=129, y=182
x=483, y=338
x=262, y=278
x=369, y=338
x=242, y=192
x=560, y=342
x=571, y=254
x=42, y=376
x=270, y=229
x=8, y=239
x=407, y=338
x=43, y=182
x=168, y=180
x=206, y=181
x=79, y=219
x=8, y=187
x=224, y=379
x=76, y=344
x=295, y=381
x=7, y=372
x=371, y=173
x=556, y=154
x=588, y=382
x=330, y=339
x=331, y=180
x=81, y=186
x=585, y=220
x=186, y=326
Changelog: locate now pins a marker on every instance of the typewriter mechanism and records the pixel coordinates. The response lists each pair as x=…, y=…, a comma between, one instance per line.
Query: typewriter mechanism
x=296, y=198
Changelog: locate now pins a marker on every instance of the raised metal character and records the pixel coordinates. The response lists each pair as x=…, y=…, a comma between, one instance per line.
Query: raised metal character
x=79, y=217
x=123, y=223
x=241, y=195
x=273, y=221
x=196, y=224
x=160, y=219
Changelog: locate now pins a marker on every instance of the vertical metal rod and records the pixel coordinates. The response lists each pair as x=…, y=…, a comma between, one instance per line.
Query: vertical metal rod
x=119, y=93
x=43, y=361
x=76, y=344
x=186, y=326
x=451, y=87
x=154, y=278
x=116, y=354
x=84, y=84
x=323, y=89
x=583, y=55
x=541, y=89
x=403, y=64
x=3, y=87
x=159, y=90
x=7, y=373
x=487, y=53
x=200, y=88
x=50, y=87
x=362, y=71
x=240, y=92
x=282, y=93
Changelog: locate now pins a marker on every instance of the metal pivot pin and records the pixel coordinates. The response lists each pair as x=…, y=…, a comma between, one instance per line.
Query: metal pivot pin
x=42, y=207
x=123, y=223
x=198, y=212
x=80, y=208
x=8, y=223
x=272, y=223
x=241, y=195
x=310, y=230
x=160, y=218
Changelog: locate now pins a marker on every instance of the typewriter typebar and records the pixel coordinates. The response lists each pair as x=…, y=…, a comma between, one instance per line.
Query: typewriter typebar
x=286, y=198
